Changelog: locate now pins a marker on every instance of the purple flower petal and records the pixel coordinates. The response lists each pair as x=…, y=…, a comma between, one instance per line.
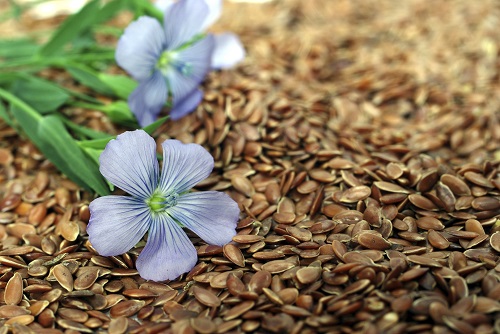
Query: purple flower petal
x=117, y=223
x=147, y=100
x=168, y=252
x=214, y=12
x=228, y=51
x=140, y=46
x=183, y=20
x=212, y=215
x=129, y=162
x=190, y=68
x=184, y=107
x=184, y=165
x=164, y=4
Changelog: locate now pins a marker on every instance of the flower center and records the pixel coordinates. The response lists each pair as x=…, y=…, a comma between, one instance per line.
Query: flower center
x=161, y=202
x=170, y=59
x=164, y=60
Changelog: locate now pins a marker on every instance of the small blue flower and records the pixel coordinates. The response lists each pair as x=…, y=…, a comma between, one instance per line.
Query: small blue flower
x=168, y=61
x=228, y=50
x=160, y=205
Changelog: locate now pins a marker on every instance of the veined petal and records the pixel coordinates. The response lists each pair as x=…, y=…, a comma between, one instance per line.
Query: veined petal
x=117, y=223
x=147, y=100
x=129, y=162
x=184, y=165
x=168, y=252
x=183, y=20
x=214, y=12
x=164, y=4
x=184, y=107
x=140, y=46
x=190, y=67
x=228, y=51
x=212, y=215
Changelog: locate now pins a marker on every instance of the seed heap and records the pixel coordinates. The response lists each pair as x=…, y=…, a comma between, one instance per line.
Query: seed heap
x=369, y=192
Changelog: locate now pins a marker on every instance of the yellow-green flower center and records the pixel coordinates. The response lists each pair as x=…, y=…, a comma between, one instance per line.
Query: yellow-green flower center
x=169, y=59
x=164, y=60
x=161, y=202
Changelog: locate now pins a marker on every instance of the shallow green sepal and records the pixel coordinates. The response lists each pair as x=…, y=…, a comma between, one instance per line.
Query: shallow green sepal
x=40, y=94
x=71, y=28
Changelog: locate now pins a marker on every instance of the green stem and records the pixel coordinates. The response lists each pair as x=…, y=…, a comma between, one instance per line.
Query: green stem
x=56, y=61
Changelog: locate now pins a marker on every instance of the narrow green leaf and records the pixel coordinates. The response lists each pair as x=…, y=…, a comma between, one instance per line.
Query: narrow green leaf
x=5, y=116
x=88, y=77
x=120, y=113
x=154, y=126
x=16, y=48
x=141, y=7
x=95, y=144
x=109, y=10
x=40, y=94
x=71, y=28
x=121, y=85
x=8, y=78
x=52, y=139
x=100, y=144
x=63, y=151
x=81, y=130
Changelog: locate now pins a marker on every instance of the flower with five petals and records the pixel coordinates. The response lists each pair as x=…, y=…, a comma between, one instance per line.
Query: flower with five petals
x=169, y=61
x=160, y=205
x=228, y=50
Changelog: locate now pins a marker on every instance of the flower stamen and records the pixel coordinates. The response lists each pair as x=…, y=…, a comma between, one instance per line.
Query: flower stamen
x=161, y=202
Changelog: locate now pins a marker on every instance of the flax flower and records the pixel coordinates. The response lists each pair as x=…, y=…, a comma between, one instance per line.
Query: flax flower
x=169, y=61
x=159, y=205
x=228, y=50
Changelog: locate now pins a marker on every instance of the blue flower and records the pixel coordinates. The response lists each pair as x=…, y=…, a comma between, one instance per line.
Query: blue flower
x=169, y=61
x=228, y=50
x=160, y=205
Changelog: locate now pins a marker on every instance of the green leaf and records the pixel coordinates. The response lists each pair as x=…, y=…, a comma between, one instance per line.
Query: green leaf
x=120, y=113
x=5, y=116
x=53, y=140
x=141, y=7
x=88, y=77
x=71, y=28
x=16, y=48
x=8, y=78
x=100, y=144
x=154, y=126
x=121, y=85
x=109, y=10
x=81, y=130
x=40, y=94
x=95, y=144
x=63, y=151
